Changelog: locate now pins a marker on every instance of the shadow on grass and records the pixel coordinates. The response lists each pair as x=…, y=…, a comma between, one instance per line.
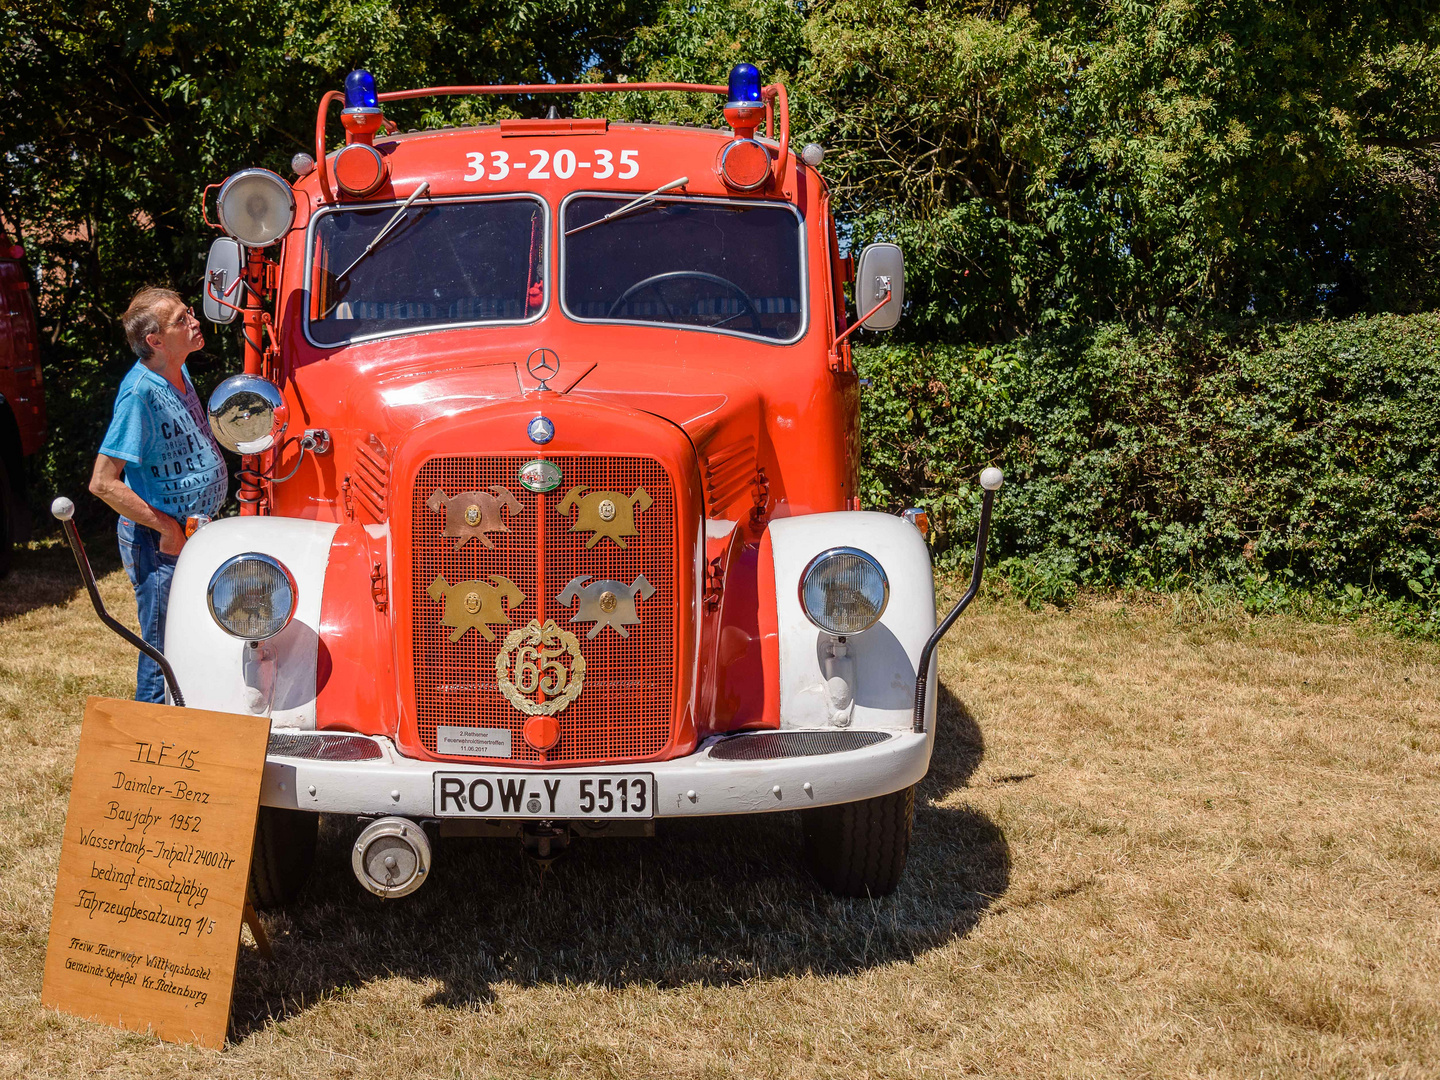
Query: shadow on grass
x=44, y=573
x=713, y=901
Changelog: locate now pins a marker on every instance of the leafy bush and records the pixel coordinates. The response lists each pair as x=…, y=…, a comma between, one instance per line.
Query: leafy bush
x=1243, y=453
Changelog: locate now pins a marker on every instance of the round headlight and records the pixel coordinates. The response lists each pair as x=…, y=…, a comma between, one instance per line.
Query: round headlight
x=252, y=596
x=844, y=591
x=256, y=207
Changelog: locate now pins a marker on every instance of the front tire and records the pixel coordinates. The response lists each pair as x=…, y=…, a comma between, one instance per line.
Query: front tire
x=284, y=853
x=859, y=848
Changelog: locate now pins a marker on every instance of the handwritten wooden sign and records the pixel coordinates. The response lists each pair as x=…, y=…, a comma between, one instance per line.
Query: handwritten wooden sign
x=153, y=865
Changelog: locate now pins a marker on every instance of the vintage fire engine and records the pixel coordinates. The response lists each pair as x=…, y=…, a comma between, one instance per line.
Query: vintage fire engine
x=549, y=525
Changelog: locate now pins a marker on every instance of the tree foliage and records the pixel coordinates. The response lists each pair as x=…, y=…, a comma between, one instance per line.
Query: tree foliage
x=1064, y=163
x=118, y=115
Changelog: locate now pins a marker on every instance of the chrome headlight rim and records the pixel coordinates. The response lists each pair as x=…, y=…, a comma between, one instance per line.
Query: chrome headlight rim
x=818, y=561
x=275, y=181
x=270, y=560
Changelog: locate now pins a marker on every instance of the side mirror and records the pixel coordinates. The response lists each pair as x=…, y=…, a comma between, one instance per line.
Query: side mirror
x=220, y=291
x=247, y=414
x=881, y=269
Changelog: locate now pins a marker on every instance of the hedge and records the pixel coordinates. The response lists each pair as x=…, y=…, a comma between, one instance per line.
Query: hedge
x=1234, y=453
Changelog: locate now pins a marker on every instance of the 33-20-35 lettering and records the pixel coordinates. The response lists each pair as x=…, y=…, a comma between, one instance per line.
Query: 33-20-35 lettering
x=564, y=163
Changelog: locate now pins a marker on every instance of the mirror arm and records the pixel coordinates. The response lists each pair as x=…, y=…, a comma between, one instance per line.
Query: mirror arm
x=861, y=321
x=219, y=298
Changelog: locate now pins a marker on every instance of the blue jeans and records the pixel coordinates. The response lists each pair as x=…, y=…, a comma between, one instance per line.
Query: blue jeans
x=150, y=572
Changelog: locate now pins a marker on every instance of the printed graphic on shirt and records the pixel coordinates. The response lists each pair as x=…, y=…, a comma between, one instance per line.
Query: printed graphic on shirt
x=185, y=467
x=173, y=461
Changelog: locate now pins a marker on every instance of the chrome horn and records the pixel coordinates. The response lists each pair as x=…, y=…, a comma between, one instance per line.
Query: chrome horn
x=247, y=414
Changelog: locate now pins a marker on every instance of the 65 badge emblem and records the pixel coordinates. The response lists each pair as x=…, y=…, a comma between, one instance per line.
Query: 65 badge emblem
x=540, y=659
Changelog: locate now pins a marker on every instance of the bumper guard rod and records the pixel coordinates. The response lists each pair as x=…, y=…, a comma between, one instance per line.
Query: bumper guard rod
x=990, y=480
x=64, y=511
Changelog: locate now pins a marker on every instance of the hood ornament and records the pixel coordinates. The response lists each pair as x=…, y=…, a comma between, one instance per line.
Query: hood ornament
x=543, y=365
x=606, y=603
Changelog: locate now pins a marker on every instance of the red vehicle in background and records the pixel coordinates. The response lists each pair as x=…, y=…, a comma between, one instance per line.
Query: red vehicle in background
x=549, y=525
x=22, y=396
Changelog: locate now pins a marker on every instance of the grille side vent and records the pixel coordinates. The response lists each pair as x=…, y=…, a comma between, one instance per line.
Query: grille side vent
x=371, y=480
x=730, y=475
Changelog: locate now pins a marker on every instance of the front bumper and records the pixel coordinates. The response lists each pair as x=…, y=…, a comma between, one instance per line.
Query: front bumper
x=700, y=785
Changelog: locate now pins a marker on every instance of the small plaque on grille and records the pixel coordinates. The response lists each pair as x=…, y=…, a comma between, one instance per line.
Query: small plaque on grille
x=472, y=741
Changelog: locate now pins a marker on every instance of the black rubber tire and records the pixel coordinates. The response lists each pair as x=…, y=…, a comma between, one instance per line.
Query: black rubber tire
x=859, y=848
x=284, y=854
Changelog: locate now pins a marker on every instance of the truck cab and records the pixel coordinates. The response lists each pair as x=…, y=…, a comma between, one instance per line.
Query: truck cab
x=549, y=521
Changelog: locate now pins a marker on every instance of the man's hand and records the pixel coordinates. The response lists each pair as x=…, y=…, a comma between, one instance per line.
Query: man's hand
x=106, y=484
x=172, y=536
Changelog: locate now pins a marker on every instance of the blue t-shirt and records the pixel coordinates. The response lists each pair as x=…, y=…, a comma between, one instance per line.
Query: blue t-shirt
x=172, y=460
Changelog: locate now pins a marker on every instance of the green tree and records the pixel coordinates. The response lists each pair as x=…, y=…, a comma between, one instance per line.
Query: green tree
x=118, y=116
x=1075, y=162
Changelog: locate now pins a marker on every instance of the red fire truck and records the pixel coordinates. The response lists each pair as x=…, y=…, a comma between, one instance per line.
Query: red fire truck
x=22, y=396
x=549, y=525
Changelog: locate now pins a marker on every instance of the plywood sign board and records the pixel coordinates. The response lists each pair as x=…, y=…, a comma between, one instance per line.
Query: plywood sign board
x=153, y=866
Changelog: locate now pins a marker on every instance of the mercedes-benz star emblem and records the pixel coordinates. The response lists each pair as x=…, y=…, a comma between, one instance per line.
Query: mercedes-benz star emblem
x=543, y=365
x=541, y=430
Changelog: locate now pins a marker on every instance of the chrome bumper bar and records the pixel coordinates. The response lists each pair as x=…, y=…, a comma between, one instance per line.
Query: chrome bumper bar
x=724, y=776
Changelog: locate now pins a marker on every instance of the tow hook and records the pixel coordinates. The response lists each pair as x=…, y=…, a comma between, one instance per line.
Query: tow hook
x=64, y=511
x=544, y=841
x=990, y=480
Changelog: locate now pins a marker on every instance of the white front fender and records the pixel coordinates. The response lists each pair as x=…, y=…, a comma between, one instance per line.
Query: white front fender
x=883, y=658
x=218, y=672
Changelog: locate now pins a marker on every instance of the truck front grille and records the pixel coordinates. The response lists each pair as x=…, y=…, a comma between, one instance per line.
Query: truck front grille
x=624, y=709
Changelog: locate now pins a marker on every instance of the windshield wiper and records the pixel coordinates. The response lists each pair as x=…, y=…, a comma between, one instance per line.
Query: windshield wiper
x=394, y=220
x=632, y=205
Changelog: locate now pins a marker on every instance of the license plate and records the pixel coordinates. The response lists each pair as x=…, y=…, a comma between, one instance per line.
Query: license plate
x=537, y=795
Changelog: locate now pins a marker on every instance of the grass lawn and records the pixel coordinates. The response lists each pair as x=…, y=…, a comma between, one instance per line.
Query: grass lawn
x=1150, y=844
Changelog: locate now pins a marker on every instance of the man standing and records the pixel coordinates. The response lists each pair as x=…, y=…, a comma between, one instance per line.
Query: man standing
x=158, y=464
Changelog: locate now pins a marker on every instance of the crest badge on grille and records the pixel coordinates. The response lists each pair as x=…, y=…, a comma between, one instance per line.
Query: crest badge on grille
x=478, y=604
x=606, y=603
x=540, y=476
x=604, y=513
x=544, y=660
x=472, y=514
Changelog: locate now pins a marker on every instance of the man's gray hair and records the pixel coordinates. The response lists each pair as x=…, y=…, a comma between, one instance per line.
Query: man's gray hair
x=142, y=317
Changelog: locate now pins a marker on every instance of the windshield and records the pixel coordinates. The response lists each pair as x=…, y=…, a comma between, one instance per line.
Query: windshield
x=443, y=264
x=713, y=265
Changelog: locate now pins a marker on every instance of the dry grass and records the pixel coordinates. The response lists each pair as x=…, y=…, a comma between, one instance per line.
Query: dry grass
x=1150, y=845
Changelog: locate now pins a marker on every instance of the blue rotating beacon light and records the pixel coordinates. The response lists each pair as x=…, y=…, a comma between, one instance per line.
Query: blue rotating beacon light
x=746, y=108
